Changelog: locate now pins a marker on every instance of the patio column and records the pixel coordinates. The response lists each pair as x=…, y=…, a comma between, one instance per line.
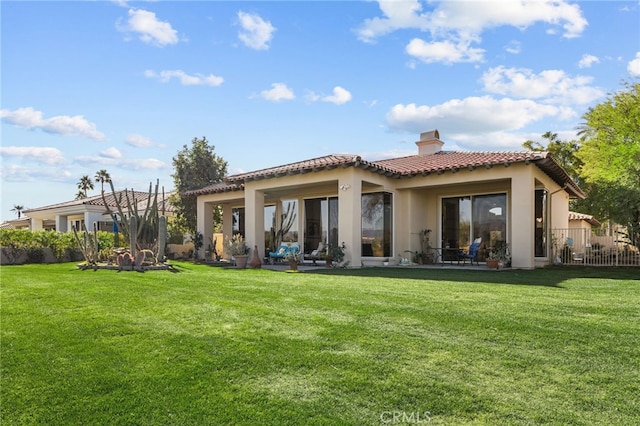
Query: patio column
x=62, y=223
x=254, y=219
x=350, y=218
x=522, y=221
x=204, y=225
x=37, y=224
x=227, y=227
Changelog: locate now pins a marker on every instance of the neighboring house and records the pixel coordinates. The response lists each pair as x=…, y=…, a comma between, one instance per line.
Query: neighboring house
x=582, y=221
x=380, y=208
x=23, y=223
x=86, y=211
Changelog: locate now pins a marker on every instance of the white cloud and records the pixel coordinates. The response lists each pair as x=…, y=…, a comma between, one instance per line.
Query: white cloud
x=149, y=28
x=64, y=125
x=20, y=173
x=111, y=159
x=444, y=51
x=634, y=66
x=587, y=60
x=397, y=15
x=551, y=85
x=514, y=47
x=41, y=155
x=139, y=141
x=340, y=96
x=278, y=92
x=455, y=25
x=112, y=153
x=184, y=78
x=472, y=115
x=256, y=33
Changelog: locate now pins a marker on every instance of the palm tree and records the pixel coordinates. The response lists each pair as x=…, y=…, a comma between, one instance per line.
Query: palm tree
x=102, y=176
x=18, y=209
x=84, y=185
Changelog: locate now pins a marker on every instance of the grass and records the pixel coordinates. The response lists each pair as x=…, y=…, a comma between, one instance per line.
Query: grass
x=210, y=345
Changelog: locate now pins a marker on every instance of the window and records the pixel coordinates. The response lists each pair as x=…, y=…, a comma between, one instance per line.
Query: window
x=321, y=222
x=376, y=224
x=269, y=228
x=540, y=225
x=238, y=221
x=479, y=216
x=289, y=221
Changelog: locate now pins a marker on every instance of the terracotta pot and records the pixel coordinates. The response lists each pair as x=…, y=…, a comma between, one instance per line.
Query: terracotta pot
x=329, y=261
x=241, y=261
x=492, y=263
x=293, y=264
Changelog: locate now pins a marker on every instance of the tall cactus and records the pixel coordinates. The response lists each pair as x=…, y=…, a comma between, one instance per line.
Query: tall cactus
x=162, y=238
x=133, y=230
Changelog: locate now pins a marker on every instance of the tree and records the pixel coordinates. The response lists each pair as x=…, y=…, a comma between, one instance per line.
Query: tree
x=564, y=152
x=84, y=184
x=102, y=176
x=18, y=208
x=195, y=168
x=610, y=152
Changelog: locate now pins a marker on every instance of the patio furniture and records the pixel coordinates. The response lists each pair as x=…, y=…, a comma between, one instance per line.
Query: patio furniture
x=316, y=254
x=282, y=251
x=472, y=254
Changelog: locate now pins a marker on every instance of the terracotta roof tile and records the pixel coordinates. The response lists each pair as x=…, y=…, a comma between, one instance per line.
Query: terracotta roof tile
x=405, y=167
x=96, y=200
x=312, y=165
x=586, y=217
x=215, y=189
x=446, y=160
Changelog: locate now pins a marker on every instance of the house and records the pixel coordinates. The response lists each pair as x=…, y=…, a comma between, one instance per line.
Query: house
x=85, y=211
x=380, y=209
x=582, y=221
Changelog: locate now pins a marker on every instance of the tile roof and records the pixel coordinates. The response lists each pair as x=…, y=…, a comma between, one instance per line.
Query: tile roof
x=138, y=197
x=448, y=160
x=216, y=188
x=586, y=217
x=405, y=167
x=327, y=162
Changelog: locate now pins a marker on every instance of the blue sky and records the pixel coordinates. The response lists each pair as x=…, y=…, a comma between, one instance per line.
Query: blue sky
x=122, y=86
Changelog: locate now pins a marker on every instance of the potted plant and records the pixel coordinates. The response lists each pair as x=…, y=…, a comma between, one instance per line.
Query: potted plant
x=335, y=254
x=499, y=256
x=294, y=257
x=238, y=249
x=493, y=260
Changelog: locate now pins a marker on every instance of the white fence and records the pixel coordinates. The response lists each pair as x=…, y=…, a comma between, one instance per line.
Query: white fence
x=579, y=246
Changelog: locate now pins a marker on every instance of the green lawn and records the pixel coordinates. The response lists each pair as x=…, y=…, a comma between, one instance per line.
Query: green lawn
x=208, y=345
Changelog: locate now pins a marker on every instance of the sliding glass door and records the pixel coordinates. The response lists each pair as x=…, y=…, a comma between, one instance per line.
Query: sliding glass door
x=475, y=216
x=321, y=222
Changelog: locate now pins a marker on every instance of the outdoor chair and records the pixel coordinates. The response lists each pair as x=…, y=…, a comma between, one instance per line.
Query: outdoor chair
x=316, y=254
x=472, y=254
x=282, y=251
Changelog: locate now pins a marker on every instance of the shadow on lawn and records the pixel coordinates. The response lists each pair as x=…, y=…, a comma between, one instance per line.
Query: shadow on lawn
x=548, y=277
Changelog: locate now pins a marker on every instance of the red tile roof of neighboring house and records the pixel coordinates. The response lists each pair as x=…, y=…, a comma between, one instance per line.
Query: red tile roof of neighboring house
x=586, y=217
x=216, y=188
x=405, y=167
x=136, y=197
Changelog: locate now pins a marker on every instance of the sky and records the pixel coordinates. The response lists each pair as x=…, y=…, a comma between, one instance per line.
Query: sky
x=123, y=86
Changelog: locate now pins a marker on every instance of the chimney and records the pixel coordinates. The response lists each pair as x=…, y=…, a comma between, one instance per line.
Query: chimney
x=429, y=143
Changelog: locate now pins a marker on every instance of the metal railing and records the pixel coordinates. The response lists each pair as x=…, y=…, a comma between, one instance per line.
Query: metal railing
x=593, y=247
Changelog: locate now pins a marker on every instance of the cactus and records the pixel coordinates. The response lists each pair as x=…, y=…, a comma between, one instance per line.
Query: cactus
x=88, y=244
x=133, y=229
x=139, y=259
x=162, y=238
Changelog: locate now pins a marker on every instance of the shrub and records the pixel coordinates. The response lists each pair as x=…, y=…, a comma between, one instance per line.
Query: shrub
x=62, y=244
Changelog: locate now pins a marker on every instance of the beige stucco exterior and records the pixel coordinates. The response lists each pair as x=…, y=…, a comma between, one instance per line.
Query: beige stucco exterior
x=416, y=204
